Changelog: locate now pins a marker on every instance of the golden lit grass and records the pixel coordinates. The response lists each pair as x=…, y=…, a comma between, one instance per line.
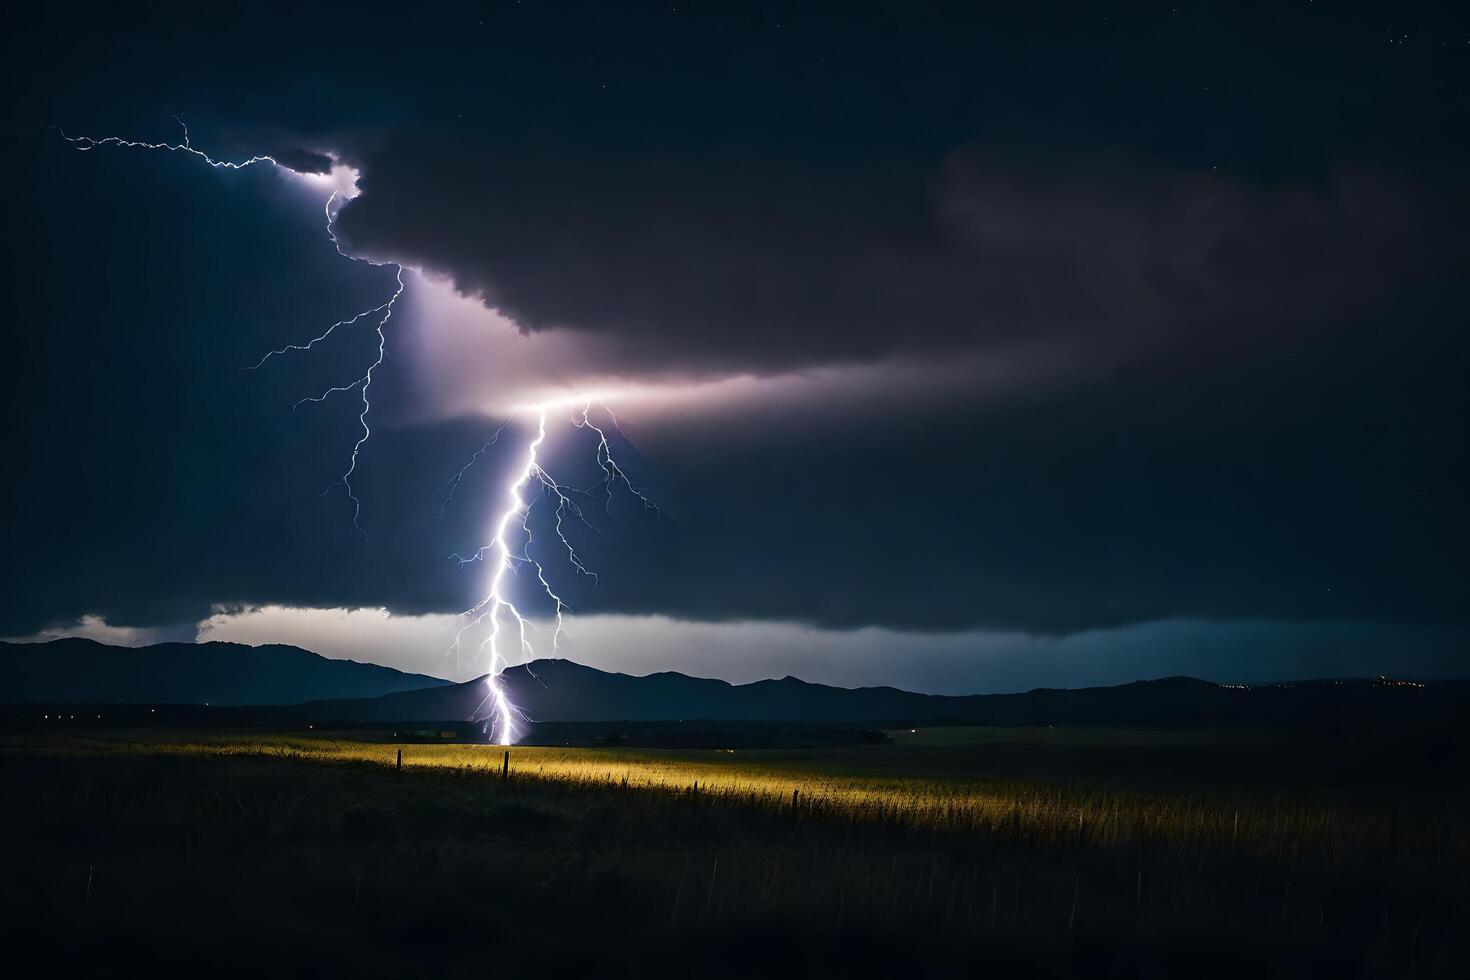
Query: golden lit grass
x=1044, y=813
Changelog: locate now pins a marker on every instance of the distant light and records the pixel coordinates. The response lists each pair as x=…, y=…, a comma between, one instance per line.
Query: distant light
x=913, y=731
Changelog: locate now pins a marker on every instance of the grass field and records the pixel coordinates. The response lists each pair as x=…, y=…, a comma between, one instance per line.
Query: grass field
x=1139, y=853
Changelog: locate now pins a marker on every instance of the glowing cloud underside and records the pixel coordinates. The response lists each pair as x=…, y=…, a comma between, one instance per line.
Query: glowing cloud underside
x=496, y=610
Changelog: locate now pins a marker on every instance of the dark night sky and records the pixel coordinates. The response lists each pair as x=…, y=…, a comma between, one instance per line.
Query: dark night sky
x=1038, y=325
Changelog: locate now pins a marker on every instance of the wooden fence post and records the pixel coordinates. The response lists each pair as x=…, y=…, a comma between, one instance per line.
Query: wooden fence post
x=1072, y=916
x=400, y=759
x=505, y=765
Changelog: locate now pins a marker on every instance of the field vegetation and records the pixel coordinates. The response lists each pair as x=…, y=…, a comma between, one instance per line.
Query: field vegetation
x=924, y=857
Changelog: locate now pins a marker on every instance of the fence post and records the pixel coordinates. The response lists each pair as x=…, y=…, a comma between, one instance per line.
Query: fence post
x=399, y=764
x=795, y=795
x=1072, y=916
x=505, y=765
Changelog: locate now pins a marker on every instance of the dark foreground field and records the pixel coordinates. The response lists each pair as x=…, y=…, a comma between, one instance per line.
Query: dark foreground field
x=1127, y=855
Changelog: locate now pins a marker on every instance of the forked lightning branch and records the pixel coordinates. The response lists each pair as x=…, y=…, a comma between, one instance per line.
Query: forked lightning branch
x=504, y=626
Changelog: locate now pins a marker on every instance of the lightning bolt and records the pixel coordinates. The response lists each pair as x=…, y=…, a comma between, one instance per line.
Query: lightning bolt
x=91, y=143
x=613, y=473
x=317, y=339
x=454, y=481
x=496, y=610
x=364, y=382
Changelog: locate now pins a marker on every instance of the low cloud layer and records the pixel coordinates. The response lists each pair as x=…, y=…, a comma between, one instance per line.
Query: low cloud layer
x=1251, y=651
x=96, y=628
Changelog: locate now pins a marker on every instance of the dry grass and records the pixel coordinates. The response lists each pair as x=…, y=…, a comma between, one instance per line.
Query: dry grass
x=1051, y=814
x=610, y=862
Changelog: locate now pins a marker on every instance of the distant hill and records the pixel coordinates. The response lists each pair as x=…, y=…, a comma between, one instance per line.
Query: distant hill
x=83, y=671
x=277, y=685
x=562, y=691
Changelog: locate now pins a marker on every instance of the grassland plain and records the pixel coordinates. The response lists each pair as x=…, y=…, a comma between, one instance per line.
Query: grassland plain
x=858, y=861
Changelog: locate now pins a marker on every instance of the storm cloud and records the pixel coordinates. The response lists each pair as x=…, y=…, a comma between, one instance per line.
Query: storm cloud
x=963, y=338
x=716, y=267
